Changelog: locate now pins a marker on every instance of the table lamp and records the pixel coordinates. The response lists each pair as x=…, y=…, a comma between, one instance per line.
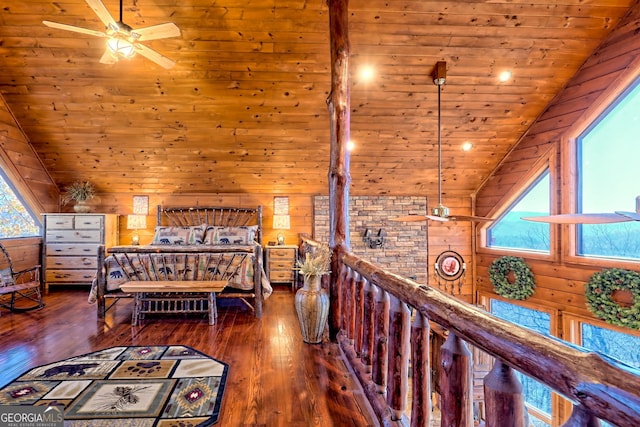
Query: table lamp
x=136, y=222
x=281, y=222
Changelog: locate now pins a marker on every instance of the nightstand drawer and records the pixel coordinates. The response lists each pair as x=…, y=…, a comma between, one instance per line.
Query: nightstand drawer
x=282, y=254
x=276, y=264
x=281, y=276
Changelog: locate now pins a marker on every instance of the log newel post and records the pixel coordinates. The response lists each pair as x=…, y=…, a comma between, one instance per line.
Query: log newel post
x=581, y=418
x=380, y=347
x=399, y=352
x=455, y=383
x=339, y=105
x=420, y=372
x=368, y=334
x=504, y=401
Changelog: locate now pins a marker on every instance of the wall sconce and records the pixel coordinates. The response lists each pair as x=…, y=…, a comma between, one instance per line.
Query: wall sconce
x=136, y=222
x=374, y=241
x=281, y=222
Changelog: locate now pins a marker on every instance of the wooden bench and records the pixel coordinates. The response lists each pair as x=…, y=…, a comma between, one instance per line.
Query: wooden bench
x=174, y=296
x=18, y=285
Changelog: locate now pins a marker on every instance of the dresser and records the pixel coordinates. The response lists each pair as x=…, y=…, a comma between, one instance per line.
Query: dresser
x=71, y=246
x=280, y=262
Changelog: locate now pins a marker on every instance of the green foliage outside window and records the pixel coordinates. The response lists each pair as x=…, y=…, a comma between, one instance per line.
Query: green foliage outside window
x=15, y=220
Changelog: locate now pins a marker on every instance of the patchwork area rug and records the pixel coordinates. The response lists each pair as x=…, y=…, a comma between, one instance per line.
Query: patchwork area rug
x=127, y=386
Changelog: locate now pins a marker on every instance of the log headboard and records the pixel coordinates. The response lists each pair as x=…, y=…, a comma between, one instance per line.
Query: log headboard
x=211, y=215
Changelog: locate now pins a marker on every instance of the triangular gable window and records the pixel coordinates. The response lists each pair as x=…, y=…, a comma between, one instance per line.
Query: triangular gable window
x=15, y=219
x=511, y=232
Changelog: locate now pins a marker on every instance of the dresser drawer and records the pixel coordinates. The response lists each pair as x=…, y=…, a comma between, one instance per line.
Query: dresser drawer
x=88, y=222
x=88, y=236
x=75, y=262
x=60, y=222
x=71, y=276
x=61, y=249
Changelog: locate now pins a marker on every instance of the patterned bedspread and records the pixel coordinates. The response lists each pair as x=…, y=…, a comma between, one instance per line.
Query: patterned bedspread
x=182, y=263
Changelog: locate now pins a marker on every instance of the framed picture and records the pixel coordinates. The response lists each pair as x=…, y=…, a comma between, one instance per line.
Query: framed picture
x=141, y=205
x=450, y=265
x=281, y=205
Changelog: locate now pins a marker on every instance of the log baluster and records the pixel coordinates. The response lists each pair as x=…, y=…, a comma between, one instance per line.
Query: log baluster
x=381, y=348
x=369, y=327
x=345, y=278
x=335, y=298
x=455, y=383
x=581, y=418
x=358, y=301
x=348, y=304
x=420, y=372
x=399, y=352
x=504, y=401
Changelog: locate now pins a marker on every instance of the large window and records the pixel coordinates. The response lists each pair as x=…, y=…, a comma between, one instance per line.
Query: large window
x=15, y=219
x=511, y=232
x=536, y=395
x=608, y=153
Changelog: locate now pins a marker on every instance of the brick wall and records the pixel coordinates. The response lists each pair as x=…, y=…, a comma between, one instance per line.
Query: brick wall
x=405, y=251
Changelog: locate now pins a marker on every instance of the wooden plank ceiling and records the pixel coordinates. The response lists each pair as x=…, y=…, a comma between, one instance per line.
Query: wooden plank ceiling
x=244, y=108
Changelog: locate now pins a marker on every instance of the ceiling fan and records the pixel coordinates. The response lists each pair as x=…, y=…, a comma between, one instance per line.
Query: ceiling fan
x=122, y=40
x=441, y=212
x=589, y=218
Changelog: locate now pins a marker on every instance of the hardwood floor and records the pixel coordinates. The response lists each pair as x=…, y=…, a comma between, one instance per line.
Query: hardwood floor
x=275, y=379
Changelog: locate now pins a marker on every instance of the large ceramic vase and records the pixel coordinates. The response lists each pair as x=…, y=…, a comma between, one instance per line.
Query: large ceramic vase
x=312, y=306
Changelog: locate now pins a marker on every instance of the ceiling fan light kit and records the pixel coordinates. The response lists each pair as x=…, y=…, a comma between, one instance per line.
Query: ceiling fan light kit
x=122, y=40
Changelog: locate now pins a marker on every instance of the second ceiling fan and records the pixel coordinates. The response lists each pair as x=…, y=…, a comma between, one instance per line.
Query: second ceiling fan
x=122, y=40
x=441, y=212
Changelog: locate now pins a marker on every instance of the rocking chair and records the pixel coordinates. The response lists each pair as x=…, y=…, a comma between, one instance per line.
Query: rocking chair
x=16, y=288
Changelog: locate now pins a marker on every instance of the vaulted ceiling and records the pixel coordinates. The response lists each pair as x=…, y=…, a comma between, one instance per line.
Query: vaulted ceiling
x=244, y=108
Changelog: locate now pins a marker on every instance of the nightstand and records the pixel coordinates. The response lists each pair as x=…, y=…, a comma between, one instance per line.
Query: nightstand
x=280, y=262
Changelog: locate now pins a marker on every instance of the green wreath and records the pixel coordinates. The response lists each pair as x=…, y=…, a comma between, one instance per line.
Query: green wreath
x=599, y=291
x=521, y=288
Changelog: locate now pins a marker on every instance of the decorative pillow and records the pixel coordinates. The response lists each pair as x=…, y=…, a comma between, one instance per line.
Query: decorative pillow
x=6, y=278
x=188, y=235
x=220, y=235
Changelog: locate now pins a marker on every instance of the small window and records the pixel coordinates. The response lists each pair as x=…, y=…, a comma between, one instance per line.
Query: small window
x=511, y=232
x=608, y=176
x=15, y=219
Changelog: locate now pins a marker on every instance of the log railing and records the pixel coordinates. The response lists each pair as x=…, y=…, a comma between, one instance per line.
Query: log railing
x=384, y=332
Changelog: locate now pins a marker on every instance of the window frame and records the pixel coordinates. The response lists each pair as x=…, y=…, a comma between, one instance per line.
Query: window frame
x=569, y=172
x=547, y=161
x=484, y=301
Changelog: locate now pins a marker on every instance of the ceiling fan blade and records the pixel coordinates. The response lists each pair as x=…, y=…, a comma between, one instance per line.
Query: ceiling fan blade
x=409, y=218
x=102, y=12
x=160, y=31
x=74, y=29
x=469, y=218
x=634, y=216
x=154, y=56
x=108, y=58
x=580, y=218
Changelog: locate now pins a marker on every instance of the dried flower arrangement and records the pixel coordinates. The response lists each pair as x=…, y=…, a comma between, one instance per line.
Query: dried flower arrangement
x=79, y=191
x=317, y=263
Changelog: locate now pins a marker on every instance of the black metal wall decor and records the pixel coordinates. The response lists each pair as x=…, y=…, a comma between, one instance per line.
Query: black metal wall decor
x=450, y=270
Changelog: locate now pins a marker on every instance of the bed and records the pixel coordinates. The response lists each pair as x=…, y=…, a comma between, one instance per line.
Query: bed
x=190, y=244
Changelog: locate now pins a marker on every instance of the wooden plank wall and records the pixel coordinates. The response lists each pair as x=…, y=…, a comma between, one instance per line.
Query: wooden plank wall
x=560, y=284
x=21, y=163
x=300, y=210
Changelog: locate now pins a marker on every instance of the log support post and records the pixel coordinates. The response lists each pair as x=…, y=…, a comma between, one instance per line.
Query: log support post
x=339, y=105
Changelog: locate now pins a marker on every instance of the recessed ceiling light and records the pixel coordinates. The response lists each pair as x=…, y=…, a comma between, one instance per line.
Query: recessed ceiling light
x=366, y=73
x=504, y=76
x=351, y=145
x=467, y=146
